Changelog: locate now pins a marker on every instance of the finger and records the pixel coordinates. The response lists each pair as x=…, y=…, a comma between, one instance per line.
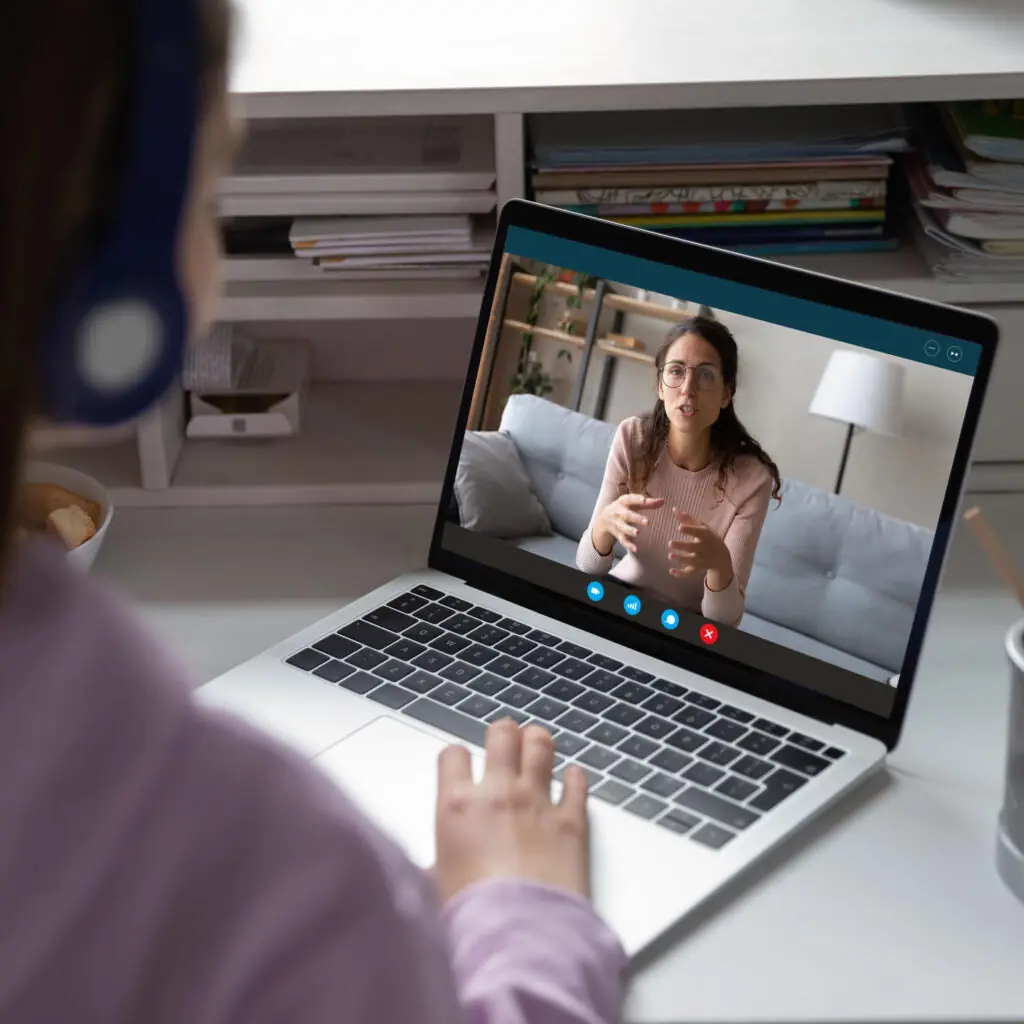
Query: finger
x=538, y=757
x=574, y=792
x=642, y=501
x=454, y=768
x=635, y=518
x=504, y=749
x=685, y=545
x=625, y=540
x=685, y=570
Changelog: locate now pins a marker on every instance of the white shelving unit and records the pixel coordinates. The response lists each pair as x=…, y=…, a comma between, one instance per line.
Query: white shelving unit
x=384, y=442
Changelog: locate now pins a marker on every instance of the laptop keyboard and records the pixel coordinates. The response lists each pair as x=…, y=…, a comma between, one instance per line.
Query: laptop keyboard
x=674, y=756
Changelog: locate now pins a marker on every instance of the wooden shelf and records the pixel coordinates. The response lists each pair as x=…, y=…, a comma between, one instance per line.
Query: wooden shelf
x=611, y=300
x=603, y=345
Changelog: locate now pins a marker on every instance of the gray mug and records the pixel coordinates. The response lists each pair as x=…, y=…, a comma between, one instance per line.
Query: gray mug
x=1010, y=847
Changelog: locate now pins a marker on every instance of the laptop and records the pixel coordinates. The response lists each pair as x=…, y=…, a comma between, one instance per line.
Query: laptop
x=705, y=743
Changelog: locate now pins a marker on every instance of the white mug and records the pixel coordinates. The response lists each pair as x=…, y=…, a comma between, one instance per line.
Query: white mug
x=1010, y=846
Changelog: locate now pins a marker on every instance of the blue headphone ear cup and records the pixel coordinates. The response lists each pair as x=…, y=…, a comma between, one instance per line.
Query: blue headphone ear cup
x=117, y=339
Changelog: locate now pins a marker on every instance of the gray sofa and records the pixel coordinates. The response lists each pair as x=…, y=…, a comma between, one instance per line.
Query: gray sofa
x=831, y=578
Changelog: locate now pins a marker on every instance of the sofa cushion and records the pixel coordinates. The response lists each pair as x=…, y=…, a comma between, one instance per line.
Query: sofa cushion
x=492, y=489
x=846, y=575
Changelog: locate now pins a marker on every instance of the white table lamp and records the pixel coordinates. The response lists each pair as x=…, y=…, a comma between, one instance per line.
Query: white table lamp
x=863, y=391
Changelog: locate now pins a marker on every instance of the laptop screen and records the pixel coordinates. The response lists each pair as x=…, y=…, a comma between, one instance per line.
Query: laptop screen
x=756, y=475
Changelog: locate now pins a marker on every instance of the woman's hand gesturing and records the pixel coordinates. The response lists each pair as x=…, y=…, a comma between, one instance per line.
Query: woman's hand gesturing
x=699, y=549
x=621, y=521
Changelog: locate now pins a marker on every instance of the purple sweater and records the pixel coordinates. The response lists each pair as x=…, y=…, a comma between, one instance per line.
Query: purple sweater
x=160, y=862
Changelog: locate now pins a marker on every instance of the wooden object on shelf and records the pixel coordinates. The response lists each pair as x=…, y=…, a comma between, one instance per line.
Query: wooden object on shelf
x=625, y=341
x=612, y=300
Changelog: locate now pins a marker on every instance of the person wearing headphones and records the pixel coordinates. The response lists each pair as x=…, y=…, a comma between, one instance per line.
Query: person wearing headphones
x=162, y=862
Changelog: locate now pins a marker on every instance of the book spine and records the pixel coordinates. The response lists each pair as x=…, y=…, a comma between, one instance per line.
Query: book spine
x=744, y=206
x=805, y=193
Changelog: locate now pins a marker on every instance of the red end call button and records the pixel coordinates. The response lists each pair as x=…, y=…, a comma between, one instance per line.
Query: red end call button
x=708, y=633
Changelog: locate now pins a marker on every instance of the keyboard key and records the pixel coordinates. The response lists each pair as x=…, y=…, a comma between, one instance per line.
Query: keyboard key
x=777, y=787
x=450, y=643
x=334, y=671
x=360, y=682
x=667, y=686
x=424, y=591
x=483, y=614
x=702, y=701
x=645, y=806
x=757, y=743
x=433, y=613
x=546, y=708
x=535, y=678
x=718, y=753
x=393, y=670
x=472, y=730
x=834, y=753
x=751, y=767
x=548, y=639
x=636, y=674
x=478, y=706
x=515, y=646
x=798, y=739
x=630, y=771
x=423, y=632
x=656, y=728
x=407, y=602
x=736, y=788
x=518, y=696
x=600, y=758
x=336, y=646
x=595, y=703
x=724, y=730
x=772, y=728
x=404, y=650
x=514, y=626
x=457, y=671
x=517, y=716
x=711, y=806
x=571, y=668
x=389, y=618
x=686, y=740
x=478, y=655
x=678, y=820
x=575, y=721
x=573, y=650
x=622, y=714
x=489, y=636
x=801, y=760
x=456, y=602
x=703, y=774
x=638, y=747
x=307, y=659
x=432, y=661
x=695, y=718
x=661, y=784
x=366, y=658
x=545, y=657
x=602, y=680
x=461, y=624
x=601, y=661
x=487, y=684
x=670, y=760
x=736, y=714
x=563, y=689
x=505, y=666
x=391, y=696
x=632, y=693
x=593, y=778
x=606, y=733
x=570, y=745
x=449, y=693
x=713, y=835
x=369, y=635
x=613, y=792
x=419, y=682
x=663, y=705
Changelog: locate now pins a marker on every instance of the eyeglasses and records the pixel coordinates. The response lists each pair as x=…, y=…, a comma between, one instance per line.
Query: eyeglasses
x=705, y=377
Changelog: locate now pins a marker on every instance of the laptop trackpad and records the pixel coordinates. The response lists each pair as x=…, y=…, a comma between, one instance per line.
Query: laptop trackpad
x=390, y=770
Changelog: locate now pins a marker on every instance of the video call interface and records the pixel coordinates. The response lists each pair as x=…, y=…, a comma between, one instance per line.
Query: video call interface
x=747, y=472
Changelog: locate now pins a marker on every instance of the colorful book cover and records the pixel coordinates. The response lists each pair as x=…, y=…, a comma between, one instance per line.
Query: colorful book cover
x=828, y=194
x=748, y=206
x=750, y=220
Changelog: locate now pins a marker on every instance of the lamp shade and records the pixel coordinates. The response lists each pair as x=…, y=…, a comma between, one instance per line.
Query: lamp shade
x=861, y=389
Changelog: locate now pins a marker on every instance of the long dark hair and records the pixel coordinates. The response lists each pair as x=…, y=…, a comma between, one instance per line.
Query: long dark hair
x=729, y=438
x=65, y=76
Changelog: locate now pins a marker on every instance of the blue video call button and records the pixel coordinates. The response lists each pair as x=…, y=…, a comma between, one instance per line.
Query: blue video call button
x=669, y=618
x=632, y=604
x=595, y=591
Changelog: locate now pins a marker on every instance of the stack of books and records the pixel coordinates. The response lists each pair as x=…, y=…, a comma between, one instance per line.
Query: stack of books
x=769, y=182
x=365, y=189
x=966, y=182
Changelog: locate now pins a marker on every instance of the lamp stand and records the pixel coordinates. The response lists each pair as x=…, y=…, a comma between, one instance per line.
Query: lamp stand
x=846, y=454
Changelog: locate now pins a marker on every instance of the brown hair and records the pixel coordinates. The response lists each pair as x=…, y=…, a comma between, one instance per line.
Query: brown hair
x=729, y=438
x=65, y=79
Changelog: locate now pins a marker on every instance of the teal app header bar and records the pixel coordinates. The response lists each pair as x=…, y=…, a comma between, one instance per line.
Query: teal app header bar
x=747, y=300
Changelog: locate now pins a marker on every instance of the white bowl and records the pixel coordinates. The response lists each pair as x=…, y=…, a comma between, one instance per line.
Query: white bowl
x=48, y=473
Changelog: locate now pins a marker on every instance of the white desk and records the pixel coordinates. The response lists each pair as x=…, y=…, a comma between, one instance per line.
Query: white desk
x=890, y=907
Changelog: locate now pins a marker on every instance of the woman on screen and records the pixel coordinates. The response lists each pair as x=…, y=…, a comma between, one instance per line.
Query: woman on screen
x=686, y=487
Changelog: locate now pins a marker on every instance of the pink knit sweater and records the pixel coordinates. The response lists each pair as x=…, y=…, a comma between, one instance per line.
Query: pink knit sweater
x=737, y=515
